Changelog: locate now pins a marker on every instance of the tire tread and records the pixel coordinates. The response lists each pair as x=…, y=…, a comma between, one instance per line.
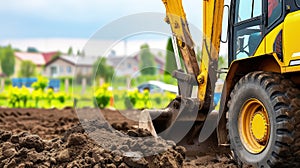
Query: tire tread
x=285, y=98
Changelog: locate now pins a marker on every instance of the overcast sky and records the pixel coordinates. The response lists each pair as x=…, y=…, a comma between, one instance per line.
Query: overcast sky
x=75, y=18
x=52, y=25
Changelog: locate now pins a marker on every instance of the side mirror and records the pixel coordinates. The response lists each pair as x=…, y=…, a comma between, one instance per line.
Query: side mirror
x=225, y=21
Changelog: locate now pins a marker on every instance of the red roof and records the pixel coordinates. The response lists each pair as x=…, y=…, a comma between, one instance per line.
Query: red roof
x=48, y=56
x=38, y=59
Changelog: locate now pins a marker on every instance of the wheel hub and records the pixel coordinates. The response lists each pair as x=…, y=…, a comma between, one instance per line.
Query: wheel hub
x=259, y=127
x=254, y=127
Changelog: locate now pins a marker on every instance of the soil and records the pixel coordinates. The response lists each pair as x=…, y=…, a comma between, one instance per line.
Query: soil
x=83, y=138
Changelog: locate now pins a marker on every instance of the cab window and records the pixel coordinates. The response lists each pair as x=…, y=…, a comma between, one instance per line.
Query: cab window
x=247, y=9
x=274, y=10
x=247, y=27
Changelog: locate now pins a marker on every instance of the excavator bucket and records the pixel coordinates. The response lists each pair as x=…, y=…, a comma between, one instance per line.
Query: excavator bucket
x=180, y=122
x=167, y=123
x=156, y=120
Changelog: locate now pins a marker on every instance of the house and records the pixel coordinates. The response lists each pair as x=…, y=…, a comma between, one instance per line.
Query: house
x=48, y=56
x=69, y=66
x=123, y=66
x=129, y=65
x=39, y=59
x=159, y=62
x=36, y=58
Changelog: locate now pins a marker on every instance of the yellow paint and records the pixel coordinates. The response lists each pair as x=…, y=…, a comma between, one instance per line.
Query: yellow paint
x=254, y=126
x=291, y=38
x=212, y=28
x=177, y=19
x=270, y=38
x=290, y=42
x=259, y=126
x=261, y=50
x=292, y=69
x=175, y=13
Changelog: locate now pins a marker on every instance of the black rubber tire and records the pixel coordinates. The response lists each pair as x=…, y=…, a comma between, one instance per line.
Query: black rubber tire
x=281, y=99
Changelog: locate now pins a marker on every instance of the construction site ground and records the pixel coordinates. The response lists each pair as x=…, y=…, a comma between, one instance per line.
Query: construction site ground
x=59, y=138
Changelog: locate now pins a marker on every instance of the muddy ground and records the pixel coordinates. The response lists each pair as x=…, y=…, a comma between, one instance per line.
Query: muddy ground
x=65, y=138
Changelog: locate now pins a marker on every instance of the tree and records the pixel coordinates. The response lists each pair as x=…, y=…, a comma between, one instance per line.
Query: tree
x=70, y=51
x=32, y=50
x=147, y=64
x=101, y=69
x=8, y=61
x=27, y=69
x=170, y=65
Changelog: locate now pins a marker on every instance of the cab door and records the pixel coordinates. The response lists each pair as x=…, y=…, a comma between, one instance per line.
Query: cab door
x=246, y=32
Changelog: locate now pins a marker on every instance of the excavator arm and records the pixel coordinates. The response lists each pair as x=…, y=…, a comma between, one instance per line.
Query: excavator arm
x=205, y=73
x=185, y=111
x=177, y=20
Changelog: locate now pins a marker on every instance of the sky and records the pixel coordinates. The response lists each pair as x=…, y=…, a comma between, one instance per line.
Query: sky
x=56, y=25
x=73, y=18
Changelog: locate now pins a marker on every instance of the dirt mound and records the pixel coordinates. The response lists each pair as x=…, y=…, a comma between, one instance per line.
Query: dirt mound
x=77, y=149
x=54, y=138
x=47, y=123
x=210, y=161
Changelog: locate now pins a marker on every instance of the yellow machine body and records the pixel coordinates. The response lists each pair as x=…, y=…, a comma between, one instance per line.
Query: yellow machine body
x=259, y=46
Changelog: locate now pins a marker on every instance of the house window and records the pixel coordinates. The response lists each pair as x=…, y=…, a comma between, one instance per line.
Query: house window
x=69, y=69
x=53, y=71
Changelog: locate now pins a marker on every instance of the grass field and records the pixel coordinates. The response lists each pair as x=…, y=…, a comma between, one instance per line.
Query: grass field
x=86, y=99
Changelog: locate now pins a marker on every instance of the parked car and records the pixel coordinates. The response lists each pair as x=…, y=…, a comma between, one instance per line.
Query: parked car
x=157, y=87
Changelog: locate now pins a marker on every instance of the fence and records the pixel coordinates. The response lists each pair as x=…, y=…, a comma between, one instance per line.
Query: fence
x=27, y=82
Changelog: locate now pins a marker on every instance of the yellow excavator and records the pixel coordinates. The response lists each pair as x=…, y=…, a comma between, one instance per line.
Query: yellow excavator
x=258, y=114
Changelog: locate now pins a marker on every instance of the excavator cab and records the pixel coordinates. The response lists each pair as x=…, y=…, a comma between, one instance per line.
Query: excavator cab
x=250, y=20
x=246, y=30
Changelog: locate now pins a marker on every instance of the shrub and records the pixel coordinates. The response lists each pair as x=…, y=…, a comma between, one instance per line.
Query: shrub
x=131, y=99
x=138, y=100
x=145, y=97
x=24, y=95
x=7, y=81
x=102, y=96
x=36, y=95
x=17, y=95
x=49, y=96
x=171, y=96
x=41, y=83
x=13, y=96
x=157, y=98
x=3, y=95
x=61, y=97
